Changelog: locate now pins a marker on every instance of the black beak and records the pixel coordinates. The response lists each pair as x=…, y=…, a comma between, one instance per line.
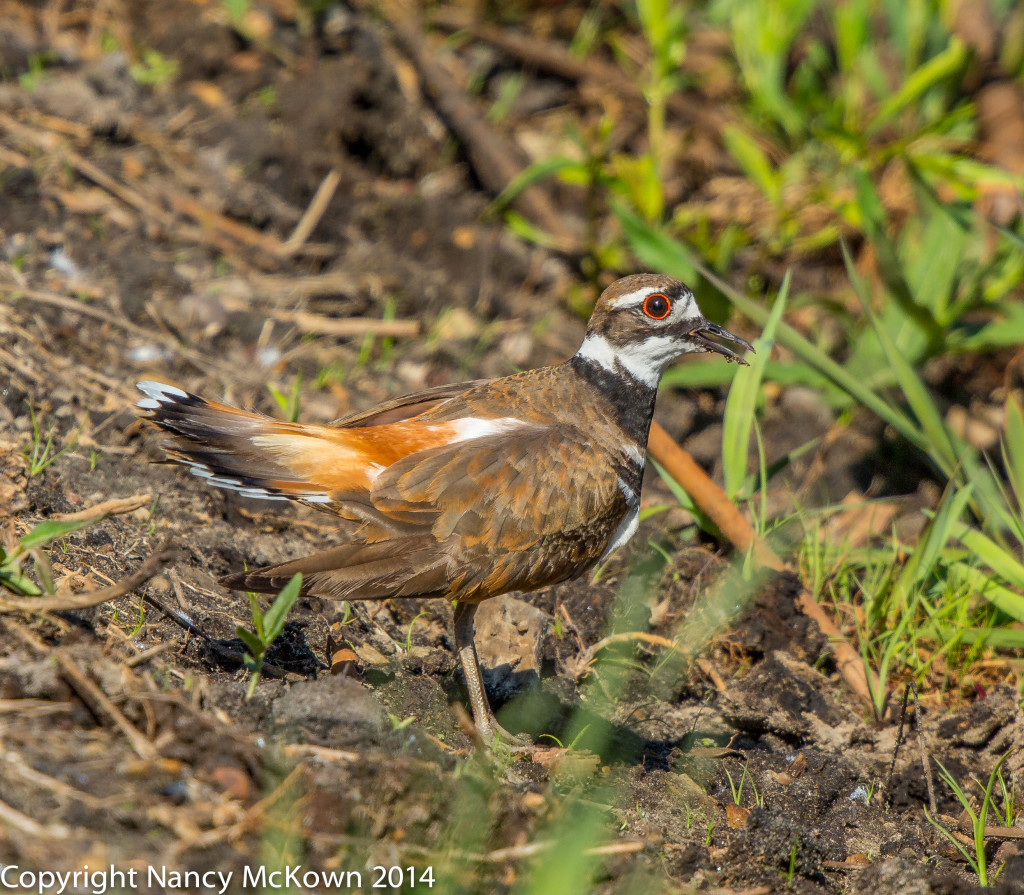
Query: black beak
x=700, y=336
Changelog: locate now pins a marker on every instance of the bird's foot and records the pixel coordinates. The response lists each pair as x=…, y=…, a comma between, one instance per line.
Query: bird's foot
x=496, y=738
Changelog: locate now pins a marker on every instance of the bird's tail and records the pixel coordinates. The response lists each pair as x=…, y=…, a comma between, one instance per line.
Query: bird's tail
x=256, y=455
x=404, y=567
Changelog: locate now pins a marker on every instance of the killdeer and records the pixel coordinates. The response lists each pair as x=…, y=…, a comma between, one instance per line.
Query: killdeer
x=466, y=491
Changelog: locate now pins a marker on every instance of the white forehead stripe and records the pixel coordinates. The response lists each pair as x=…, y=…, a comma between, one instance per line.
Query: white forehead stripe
x=631, y=299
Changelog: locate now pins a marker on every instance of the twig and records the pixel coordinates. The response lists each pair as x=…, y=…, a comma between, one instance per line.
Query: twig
x=108, y=508
x=896, y=746
x=147, y=654
x=17, y=765
x=218, y=646
x=350, y=326
x=11, y=817
x=150, y=210
x=497, y=161
x=100, y=703
x=516, y=852
x=586, y=658
x=710, y=498
x=67, y=602
x=731, y=523
x=28, y=707
x=201, y=361
x=324, y=753
x=317, y=206
x=342, y=327
x=922, y=744
x=237, y=231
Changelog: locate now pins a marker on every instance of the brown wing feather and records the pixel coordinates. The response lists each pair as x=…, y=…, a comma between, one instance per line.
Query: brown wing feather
x=504, y=493
x=471, y=521
x=408, y=567
x=407, y=406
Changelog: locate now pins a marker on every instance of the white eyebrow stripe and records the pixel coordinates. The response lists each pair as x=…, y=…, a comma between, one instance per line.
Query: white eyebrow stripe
x=632, y=298
x=682, y=306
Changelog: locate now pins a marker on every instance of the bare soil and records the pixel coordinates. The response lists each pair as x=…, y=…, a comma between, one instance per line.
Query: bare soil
x=112, y=275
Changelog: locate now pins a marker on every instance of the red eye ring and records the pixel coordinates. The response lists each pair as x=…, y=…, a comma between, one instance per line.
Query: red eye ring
x=657, y=306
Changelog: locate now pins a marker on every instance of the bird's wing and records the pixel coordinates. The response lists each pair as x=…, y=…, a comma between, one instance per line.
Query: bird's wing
x=504, y=492
x=469, y=520
x=407, y=406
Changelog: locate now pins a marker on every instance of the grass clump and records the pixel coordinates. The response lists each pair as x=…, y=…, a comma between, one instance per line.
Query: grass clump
x=266, y=628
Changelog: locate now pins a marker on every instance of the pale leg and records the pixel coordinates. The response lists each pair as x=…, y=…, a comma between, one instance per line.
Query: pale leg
x=483, y=717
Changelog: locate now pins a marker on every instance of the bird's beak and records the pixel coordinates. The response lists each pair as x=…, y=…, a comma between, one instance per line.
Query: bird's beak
x=700, y=335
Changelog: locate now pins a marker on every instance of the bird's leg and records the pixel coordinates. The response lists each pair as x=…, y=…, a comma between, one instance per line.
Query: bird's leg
x=483, y=717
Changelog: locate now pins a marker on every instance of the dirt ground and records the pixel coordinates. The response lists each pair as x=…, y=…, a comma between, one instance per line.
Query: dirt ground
x=142, y=227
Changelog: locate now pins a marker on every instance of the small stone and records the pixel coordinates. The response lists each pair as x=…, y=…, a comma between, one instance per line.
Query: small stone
x=455, y=325
x=464, y=237
x=510, y=642
x=232, y=781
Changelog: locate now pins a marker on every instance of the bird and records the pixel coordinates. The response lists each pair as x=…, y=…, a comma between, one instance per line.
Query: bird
x=465, y=491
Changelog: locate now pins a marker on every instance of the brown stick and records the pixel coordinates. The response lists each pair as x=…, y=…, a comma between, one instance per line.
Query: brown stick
x=93, y=598
x=333, y=326
x=586, y=658
x=305, y=227
x=497, y=161
x=733, y=526
x=710, y=498
x=108, y=508
x=100, y=703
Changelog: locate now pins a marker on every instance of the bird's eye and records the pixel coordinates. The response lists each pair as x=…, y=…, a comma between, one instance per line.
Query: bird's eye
x=657, y=306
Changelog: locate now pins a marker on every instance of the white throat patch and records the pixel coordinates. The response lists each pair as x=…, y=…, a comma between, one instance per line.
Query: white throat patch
x=645, y=361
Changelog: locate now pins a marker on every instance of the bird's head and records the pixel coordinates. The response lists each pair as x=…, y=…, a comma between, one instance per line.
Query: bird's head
x=643, y=322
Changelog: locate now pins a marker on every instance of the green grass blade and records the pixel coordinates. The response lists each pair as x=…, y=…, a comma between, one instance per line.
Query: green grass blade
x=655, y=248
x=273, y=620
x=701, y=374
x=535, y=172
x=937, y=69
x=12, y=579
x=939, y=441
x=754, y=162
x=255, y=646
x=945, y=524
x=742, y=401
x=890, y=267
x=1005, y=331
x=1013, y=447
x=997, y=558
x=45, y=532
x=997, y=638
